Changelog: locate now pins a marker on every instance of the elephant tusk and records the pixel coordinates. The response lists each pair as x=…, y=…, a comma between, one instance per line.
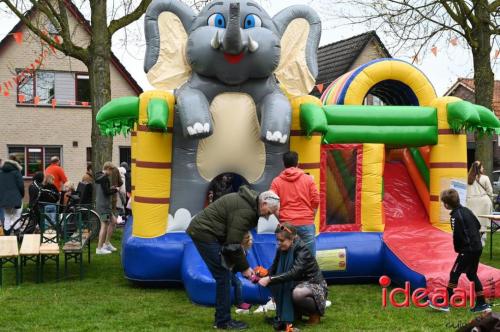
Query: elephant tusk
x=215, y=43
x=253, y=46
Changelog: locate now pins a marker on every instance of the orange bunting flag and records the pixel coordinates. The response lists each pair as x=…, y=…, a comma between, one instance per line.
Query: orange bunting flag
x=434, y=50
x=18, y=37
x=57, y=39
x=320, y=87
x=6, y=85
x=85, y=103
x=454, y=41
x=21, y=99
x=54, y=103
x=10, y=84
x=6, y=93
x=497, y=53
x=36, y=100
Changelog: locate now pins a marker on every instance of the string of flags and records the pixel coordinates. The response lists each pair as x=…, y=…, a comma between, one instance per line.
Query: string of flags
x=28, y=71
x=453, y=42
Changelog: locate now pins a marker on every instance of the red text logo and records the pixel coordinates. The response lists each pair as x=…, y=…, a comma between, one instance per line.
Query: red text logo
x=420, y=297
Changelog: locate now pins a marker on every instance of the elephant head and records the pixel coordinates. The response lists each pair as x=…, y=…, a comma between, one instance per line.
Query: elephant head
x=232, y=41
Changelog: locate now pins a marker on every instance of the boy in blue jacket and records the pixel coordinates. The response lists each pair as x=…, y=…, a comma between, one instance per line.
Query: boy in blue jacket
x=467, y=244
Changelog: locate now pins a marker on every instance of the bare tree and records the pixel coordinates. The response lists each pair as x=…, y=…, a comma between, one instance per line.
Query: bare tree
x=418, y=24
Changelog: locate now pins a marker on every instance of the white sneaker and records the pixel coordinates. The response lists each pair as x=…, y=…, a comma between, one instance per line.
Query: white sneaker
x=109, y=247
x=260, y=309
x=102, y=251
x=270, y=305
x=328, y=303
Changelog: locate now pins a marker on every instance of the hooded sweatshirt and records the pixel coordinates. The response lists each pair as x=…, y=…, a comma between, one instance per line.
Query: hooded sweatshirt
x=299, y=197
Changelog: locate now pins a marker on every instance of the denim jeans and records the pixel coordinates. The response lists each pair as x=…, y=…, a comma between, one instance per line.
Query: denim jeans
x=210, y=253
x=236, y=283
x=50, y=211
x=307, y=234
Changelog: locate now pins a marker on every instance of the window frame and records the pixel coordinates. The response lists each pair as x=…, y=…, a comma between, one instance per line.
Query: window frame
x=34, y=146
x=33, y=75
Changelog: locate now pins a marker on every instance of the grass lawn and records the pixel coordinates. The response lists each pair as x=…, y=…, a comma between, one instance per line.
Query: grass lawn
x=105, y=301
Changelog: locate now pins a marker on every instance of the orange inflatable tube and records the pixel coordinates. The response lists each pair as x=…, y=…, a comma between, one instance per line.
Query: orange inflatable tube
x=419, y=183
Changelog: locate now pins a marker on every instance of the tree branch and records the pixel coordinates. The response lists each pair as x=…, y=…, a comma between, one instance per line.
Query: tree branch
x=116, y=25
x=66, y=46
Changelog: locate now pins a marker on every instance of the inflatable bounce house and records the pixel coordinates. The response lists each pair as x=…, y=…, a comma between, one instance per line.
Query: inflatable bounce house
x=240, y=82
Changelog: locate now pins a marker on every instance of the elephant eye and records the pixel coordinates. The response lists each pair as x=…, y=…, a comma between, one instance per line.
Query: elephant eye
x=217, y=20
x=252, y=21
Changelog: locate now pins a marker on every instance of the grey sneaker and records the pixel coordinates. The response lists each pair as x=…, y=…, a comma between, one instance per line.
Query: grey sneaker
x=440, y=308
x=481, y=308
x=102, y=251
x=232, y=325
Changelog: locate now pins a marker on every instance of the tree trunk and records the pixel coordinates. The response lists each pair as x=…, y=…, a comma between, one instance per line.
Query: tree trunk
x=100, y=81
x=483, y=81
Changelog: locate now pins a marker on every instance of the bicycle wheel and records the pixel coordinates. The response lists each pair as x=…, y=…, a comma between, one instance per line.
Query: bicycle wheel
x=91, y=221
x=24, y=225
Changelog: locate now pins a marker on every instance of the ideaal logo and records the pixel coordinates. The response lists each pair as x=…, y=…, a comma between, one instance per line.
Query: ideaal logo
x=421, y=296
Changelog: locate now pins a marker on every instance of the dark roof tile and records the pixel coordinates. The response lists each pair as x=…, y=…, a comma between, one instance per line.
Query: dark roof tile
x=335, y=59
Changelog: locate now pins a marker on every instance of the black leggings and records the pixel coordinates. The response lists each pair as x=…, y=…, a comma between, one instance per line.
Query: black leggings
x=467, y=263
x=303, y=301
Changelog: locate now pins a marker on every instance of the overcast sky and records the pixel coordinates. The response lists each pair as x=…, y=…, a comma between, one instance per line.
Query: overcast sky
x=443, y=69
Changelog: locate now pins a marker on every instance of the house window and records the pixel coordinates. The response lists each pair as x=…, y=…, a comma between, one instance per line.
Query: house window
x=67, y=88
x=45, y=86
x=125, y=155
x=34, y=158
x=89, y=155
x=82, y=88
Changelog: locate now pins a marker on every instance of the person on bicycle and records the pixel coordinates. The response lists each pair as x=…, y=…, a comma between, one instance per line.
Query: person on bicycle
x=11, y=191
x=104, y=192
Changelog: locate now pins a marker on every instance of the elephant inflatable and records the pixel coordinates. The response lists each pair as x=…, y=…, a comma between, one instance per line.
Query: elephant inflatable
x=233, y=70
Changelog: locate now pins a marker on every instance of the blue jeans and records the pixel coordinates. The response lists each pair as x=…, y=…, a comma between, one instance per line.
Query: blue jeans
x=50, y=212
x=307, y=234
x=236, y=283
x=210, y=253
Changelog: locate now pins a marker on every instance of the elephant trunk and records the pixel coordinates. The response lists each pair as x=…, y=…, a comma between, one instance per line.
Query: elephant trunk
x=232, y=43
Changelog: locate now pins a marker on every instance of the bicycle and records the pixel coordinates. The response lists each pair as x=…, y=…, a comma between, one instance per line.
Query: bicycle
x=67, y=223
x=26, y=224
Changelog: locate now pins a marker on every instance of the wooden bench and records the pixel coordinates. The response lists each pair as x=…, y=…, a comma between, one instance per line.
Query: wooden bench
x=30, y=251
x=73, y=248
x=9, y=253
x=49, y=250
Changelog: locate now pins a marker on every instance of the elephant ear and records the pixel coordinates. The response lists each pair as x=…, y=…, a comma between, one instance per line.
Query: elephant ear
x=300, y=30
x=166, y=26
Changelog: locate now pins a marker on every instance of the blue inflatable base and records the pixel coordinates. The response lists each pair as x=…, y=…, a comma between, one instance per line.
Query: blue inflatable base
x=173, y=259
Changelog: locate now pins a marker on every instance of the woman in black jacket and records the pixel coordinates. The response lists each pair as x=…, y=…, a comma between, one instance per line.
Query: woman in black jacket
x=11, y=192
x=295, y=280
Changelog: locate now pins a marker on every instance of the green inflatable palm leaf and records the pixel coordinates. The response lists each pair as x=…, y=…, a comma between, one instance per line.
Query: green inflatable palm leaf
x=118, y=116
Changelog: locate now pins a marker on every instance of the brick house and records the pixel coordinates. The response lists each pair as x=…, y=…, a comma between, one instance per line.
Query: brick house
x=464, y=88
x=37, y=132
x=340, y=57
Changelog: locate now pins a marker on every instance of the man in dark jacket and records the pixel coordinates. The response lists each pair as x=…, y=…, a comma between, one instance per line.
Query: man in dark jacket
x=220, y=227
x=467, y=244
x=11, y=192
